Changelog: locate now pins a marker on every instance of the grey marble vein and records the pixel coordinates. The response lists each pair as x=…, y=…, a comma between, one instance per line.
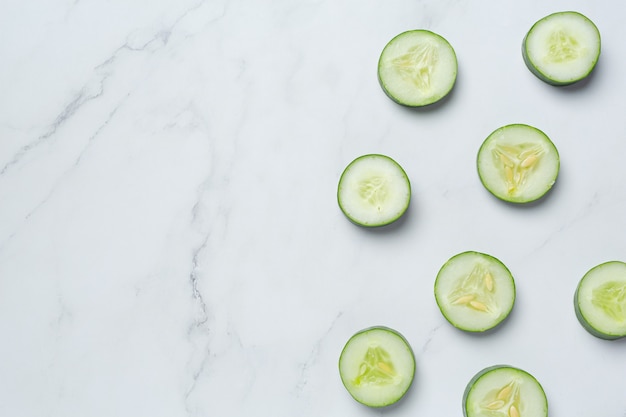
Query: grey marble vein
x=313, y=357
x=87, y=94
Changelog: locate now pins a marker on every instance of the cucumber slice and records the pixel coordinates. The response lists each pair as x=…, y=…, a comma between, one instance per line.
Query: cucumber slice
x=377, y=366
x=562, y=48
x=374, y=191
x=505, y=391
x=600, y=300
x=417, y=68
x=474, y=291
x=518, y=163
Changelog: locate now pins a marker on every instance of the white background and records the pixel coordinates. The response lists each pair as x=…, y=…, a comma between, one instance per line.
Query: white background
x=170, y=240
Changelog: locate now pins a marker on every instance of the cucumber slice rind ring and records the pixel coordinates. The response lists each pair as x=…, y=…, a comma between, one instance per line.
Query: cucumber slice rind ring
x=562, y=48
x=504, y=390
x=600, y=300
x=518, y=163
x=377, y=366
x=417, y=68
x=474, y=291
x=374, y=190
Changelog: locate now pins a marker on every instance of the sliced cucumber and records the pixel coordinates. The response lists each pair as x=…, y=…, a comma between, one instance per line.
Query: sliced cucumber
x=518, y=163
x=377, y=366
x=374, y=191
x=474, y=291
x=562, y=48
x=417, y=68
x=504, y=391
x=600, y=300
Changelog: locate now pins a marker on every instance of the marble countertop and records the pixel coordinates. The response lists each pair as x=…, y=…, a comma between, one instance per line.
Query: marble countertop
x=170, y=239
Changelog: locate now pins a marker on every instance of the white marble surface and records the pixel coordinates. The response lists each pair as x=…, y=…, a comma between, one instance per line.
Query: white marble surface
x=170, y=242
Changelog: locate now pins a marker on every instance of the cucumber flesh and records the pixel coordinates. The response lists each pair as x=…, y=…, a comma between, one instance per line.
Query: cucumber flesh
x=600, y=300
x=374, y=191
x=417, y=68
x=504, y=391
x=474, y=291
x=518, y=163
x=562, y=48
x=377, y=366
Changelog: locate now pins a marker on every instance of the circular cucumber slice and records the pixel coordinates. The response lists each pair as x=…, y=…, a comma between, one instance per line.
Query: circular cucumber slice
x=474, y=291
x=562, y=48
x=377, y=366
x=417, y=68
x=374, y=191
x=600, y=300
x=518, y=163
x=506, y=391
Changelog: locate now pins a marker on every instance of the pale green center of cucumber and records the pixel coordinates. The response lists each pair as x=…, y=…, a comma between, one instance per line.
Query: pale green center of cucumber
x=516, y=163
x=610, y=297
x=504, y=401
x=476, y=290
x=418, y=64
x=376, y=368
x=374, y=191
x=562, y=47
